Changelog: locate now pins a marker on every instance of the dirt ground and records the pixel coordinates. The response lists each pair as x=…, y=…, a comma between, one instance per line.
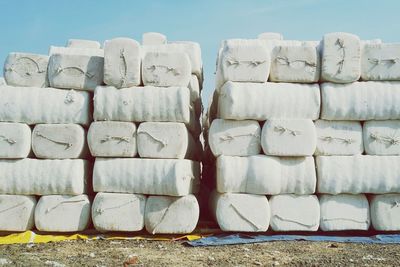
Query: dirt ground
x=173, y=253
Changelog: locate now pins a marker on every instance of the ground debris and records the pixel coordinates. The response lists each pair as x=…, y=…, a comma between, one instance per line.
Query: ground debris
x=54, y=264
x=4, y=261
x=131, y=260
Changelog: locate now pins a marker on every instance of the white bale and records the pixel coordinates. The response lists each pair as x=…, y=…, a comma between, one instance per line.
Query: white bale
x=240, y=212
x=59, y=141
x=44, y=105
x=171, y=215
x=23, y=69
x=43, y=177
x=112, y=139
x=153, y=38
x=122, y=57
x=270, y=36
x=169, y=140
x=118, y=212
x=16, y=213
x=234, y=138
x=289, y=137
x=62, y=213
x=380, y=62
x=173, y=177
x=76, y=51
x=382, y=137
x=385, y=212
x=79, y=72
x=358, y=174
x=339, y=138
x=142, y=104
x=294, y=213
x=79, y=43
x=266, y=175
x=360, y=101
x=2, y=81
x=195, y=96
x=341, y=57
x=192, y=49
x=244, y=61
x=299, y=64
x=166, y=69
x=15, y=140
x=344, y=212
x=261, y=101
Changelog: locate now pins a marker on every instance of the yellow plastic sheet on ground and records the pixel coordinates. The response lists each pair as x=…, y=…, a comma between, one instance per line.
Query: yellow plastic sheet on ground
x=32, y=237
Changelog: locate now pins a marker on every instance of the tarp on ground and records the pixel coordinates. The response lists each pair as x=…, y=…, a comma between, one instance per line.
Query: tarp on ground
x=235, y=239
x=33, y=237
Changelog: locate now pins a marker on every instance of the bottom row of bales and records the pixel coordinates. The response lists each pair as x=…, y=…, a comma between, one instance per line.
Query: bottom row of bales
x=289, y=212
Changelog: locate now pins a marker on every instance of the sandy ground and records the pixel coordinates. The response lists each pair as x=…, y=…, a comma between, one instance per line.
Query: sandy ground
x=173, y=253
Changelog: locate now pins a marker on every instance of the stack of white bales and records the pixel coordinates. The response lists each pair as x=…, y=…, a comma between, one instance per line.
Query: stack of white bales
x=359, y=117
x=146, y=136
x=263, y=135
x=54, y=169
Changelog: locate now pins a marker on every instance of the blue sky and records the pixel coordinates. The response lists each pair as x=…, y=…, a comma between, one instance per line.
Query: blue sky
x=32, y=26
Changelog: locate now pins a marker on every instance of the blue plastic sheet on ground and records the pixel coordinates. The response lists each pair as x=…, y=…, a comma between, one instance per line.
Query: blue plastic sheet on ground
x=235, y=239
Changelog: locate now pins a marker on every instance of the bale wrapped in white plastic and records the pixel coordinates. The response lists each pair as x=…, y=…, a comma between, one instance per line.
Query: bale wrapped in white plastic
x=171, y=215
x=23, y=69
x=195, y=97
x=344, y=212
x=266, y=175
x=173, y=177
x=17, y=213
x=289, y=137
x=385, y=212
x=15, y=140
x=79, y=72
x=143, y=104
x=339, y=138
x=43, y=177
x=79, y=43
x=234, y=138
x=341, y=57
x=153, y=38
x=299, y=64
x=382, y=137
x=358, y=174
x=118, y=212
x=240, y=212
x=270, y=36
x=166, y=69
x=62, y=213
x=76, y=51
x=244, y=61
x=122, y=57
x=44, y=105
x=380, y=62
x=112, y=139
x=169, y=140
x=360, y=101
x=59, y=141
x=192, y=49
x=294, y=213
x=2, y=81
x=269, y=100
